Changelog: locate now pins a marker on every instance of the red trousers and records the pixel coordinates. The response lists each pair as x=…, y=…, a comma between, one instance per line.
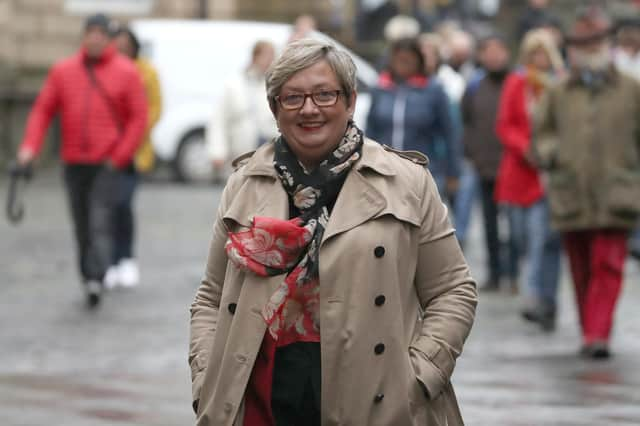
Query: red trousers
x=597, y=262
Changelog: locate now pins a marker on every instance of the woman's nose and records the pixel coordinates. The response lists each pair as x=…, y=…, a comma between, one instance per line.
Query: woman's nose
x=308, y=107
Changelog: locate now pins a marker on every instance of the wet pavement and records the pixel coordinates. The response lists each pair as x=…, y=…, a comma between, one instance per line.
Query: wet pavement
x=125, y=364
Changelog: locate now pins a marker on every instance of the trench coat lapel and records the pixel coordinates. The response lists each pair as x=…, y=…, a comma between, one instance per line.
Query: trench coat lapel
x=267, y=198
x=359, y=200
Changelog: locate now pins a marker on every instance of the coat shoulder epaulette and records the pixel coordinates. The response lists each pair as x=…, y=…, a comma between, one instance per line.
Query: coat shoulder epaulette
x=242, y=160
x=413, y=156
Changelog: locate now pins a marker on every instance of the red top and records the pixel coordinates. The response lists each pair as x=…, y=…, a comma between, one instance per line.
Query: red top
x=385, y=81
x=518, y=183
x=94, y=129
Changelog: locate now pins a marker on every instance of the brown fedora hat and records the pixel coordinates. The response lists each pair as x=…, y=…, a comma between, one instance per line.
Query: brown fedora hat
x=590, y=25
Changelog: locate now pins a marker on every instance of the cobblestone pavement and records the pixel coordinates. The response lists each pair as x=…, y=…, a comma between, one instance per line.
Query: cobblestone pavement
x=125, y=364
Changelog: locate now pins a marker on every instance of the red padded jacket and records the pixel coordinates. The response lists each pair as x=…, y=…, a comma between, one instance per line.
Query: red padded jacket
x=103, y=118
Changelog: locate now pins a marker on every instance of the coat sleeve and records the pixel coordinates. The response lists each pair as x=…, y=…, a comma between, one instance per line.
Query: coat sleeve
x=509, y=124
x=43, y=111
x=204, y=310
x=135, y=125
x=447, y=296
x=545, y=136
x=448, y=133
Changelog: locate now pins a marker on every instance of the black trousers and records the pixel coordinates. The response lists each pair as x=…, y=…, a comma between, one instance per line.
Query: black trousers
x=295, y=392
x=502, y=259
x=93, y=192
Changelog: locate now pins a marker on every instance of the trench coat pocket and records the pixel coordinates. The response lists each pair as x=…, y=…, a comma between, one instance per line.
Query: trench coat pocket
x=563, y=194
x=623, y=195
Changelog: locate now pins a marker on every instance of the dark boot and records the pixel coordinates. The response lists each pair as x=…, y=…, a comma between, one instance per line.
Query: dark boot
x=597, y=351
x=543, y=314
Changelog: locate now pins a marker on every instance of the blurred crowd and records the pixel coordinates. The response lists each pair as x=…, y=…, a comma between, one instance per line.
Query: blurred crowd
x=532, y=138
x=545, y=141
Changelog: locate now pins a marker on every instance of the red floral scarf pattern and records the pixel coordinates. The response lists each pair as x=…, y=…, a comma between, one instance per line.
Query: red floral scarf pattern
x=273, y=246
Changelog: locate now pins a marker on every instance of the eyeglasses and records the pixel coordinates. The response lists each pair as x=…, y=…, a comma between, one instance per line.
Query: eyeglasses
x=321, y=98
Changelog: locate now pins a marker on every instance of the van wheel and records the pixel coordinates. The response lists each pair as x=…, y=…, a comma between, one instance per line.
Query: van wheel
x=192, y=161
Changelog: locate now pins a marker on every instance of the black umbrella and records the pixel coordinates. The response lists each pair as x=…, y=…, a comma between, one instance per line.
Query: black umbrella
x=18, y=177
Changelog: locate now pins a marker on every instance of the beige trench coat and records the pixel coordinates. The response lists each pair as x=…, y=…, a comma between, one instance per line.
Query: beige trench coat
x=388, y=235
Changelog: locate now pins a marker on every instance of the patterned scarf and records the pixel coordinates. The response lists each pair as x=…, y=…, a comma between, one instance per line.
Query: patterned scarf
x=273, y=246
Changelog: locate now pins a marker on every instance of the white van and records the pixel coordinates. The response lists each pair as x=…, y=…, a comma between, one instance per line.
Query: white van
x=194, y=59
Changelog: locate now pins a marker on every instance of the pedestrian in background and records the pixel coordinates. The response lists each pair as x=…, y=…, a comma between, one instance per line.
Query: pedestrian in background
x=124, y=270
x=453, y=83
x=103, y=111
x=303, y=26
x=483, y=148
x=411, y=112
x=519, y=185
x=627, y=47
x=536, y=15
x=399, y=27
x=458, y=52
x=242, y=120
x=348, y=241
x=588, y=140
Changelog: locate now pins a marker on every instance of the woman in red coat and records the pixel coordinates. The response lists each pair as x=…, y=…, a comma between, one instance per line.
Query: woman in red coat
x=519, y=185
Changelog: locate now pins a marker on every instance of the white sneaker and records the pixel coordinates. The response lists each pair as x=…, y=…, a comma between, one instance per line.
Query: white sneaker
x=129, y=273
x=112, y=277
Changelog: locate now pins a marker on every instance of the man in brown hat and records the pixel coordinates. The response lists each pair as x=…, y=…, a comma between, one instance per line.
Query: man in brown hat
x=586, y=136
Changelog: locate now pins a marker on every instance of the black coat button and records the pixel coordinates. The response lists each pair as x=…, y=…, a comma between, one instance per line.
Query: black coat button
x=379, y=348
x=232, y=308
x=380, y=300
x=379, y=251
x=378, y=398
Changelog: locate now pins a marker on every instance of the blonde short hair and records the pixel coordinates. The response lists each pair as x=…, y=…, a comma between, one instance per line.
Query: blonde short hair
x=304, y=53
x=540, y=39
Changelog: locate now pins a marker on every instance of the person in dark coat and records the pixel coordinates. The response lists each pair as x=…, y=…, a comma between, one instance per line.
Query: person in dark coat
x=410, y=111
x=483, y=148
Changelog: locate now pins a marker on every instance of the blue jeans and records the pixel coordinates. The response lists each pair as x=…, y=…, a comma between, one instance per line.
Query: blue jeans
x=532, y=235
x=464, y=200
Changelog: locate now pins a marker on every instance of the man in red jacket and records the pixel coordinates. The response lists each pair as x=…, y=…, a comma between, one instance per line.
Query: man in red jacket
x=103, y=111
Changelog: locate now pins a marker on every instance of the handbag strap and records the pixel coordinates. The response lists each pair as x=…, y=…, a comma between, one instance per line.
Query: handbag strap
x=105, y=96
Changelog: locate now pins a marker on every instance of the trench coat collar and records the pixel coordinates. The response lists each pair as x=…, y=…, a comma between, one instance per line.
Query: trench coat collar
x=359, y=200
x=261, y=162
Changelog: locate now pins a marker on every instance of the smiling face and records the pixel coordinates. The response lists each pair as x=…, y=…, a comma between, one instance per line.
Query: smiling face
x=312, y=132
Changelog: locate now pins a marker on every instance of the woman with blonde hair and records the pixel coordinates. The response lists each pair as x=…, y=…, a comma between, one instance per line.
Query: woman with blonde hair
x=519, y=185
